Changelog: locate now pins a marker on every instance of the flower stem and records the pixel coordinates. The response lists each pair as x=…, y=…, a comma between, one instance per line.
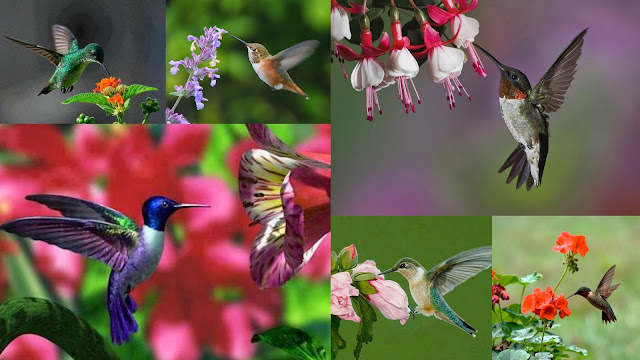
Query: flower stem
x=542, y=338
x=563, y=274
x=120, y=120
x=522, y=296
x=53, y=322
x=413, y=4
x=146, y=116
x=500, y=307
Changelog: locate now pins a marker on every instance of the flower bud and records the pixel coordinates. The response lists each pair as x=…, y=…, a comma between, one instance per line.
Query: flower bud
x=121, y=89
x=108, y=91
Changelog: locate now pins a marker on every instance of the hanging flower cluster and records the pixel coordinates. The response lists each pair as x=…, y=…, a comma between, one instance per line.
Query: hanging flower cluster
x=402, y=65
x=570, y=246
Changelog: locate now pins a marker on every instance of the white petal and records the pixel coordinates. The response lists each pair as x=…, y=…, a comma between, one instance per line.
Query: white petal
x=368, y=72
x=402, y=63
x=445, y=61
x=339, y=24
x=469, y=28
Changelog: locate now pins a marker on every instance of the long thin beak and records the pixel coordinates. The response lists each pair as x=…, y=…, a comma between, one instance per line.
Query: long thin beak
x=573, y=295
x=242, y=41
x=386, y=272
x=105, y=69
x=500, y=66
x=182, y=206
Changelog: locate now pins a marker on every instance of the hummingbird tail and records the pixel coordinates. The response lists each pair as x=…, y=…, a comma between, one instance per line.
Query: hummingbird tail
x=608, y=316
x=455, y=320
x=121, y=310
x=47, y=89
x=295, y=89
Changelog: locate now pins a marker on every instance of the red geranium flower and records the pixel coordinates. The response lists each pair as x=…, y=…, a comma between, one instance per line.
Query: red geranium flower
x=545, y=304
x=575, y=243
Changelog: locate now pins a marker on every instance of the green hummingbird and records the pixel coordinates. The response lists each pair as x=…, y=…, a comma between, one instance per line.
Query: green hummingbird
x=599, y=297
x=68, y=58
x=429, y=287
x=525, y=110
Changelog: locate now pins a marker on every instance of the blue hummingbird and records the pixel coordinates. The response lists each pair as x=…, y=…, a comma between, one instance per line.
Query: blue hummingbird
x=104, y=234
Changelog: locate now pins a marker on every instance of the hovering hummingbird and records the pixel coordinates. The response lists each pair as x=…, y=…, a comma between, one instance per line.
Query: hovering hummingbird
x=525, y=110
x=429, y=287
x=272, y=69
x=69, y=60
x=599, y=298
x=104, y=234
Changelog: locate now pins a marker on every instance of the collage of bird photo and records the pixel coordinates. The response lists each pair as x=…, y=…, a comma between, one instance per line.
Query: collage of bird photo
x=166, y=180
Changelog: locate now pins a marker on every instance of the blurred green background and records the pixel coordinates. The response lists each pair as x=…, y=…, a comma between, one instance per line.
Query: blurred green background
x=445, y=162
x=522, y=245
x=429, y=240
x=240, y=96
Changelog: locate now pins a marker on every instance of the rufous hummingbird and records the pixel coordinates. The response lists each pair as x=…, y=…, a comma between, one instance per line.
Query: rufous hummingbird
x=599, y=297
x=429, y=287
x=525, y=110
x=69, y=60
x=272, y=69
x=107, y=235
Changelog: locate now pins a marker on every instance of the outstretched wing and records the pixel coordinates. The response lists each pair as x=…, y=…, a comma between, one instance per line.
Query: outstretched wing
x=63, y=39
x=458, y=269
x=288, y=58
x=50, y=55
x=97, y=240
x=550, y=91
x=604, y=288
x=82, y=209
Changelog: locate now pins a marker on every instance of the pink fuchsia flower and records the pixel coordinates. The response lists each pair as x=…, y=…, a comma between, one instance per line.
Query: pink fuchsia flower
x=340, y=27
x=401, y=66
x=369, y=71
x=289, y=194
x=445, y=64
x=390, y=299
x=341, y=292
x=464, y=28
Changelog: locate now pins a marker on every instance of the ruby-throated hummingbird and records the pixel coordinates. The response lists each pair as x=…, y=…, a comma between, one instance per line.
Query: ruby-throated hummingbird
x=429, y=287
x=272, y=69
x=599, y=297
x=104, y=234
x=69, y=60
x=525, y=110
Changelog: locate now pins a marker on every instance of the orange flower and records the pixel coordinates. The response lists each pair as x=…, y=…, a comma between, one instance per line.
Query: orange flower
x=574, y=243
x=545, y=304
x=110, y=81
x=493, y=274
x=116, y=100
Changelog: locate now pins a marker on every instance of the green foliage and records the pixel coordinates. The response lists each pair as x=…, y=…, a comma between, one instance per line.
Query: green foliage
x=91, y=98
x=367, y=317
x=135, y=89
x=511, y=354
x=54, y=322
x=293, y=341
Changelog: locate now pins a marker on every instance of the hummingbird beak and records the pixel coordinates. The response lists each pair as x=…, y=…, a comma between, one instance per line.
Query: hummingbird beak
x=573, y=295
x=386, y=271
x=500, y=66
x=242, y=41
x=182, y=206
x=105, y=68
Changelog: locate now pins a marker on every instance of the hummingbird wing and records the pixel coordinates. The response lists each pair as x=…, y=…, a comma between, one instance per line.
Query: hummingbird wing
x=458, y=269
x=63, y=38
x=288, y=58
x=82, y=209
x=50, y=55
x=604, y=287
x=97, y=240
x=550, y=91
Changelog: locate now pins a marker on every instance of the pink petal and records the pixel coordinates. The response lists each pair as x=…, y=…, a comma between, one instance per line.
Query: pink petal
x=185, y=145
x=347, y=53
x=438, y=15
x=30, y=347
x=269, y=141
x=173, y=341
x=208, y=191
x=294, y=230
x=431, y=37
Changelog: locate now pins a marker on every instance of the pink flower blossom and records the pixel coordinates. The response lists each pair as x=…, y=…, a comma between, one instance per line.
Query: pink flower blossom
x=62, y=267
x=341, y=292
x=30, y=347
x=390, y=299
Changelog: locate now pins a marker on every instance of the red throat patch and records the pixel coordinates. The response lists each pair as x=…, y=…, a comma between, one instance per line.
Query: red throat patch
x=510, y=91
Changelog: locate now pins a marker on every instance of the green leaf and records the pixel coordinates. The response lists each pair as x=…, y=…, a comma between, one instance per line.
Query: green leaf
x=334, y=262
x=345, y=261
x=509, y=327
x=337, y=342
x=364, y=276
x=293, y=341
x=135, y=89
x=543, y=356
x=496, y=332
x=531, y=278
x=305, y=302
x=522, y=334
x=175, y=93
x=364, y=287
x=505, y=280
x=23, y=277
x=511, y=354
x=91, y=98
x=572, y=348
x=367, y=318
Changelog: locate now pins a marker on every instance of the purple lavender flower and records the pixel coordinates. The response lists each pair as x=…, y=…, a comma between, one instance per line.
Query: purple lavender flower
x=174, y=117
x=208, y=45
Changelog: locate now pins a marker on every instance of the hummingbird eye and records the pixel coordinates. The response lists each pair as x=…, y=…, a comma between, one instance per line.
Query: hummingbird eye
x=514, y=77
x=403, y=265
x=165, y=204
x=253, y=49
